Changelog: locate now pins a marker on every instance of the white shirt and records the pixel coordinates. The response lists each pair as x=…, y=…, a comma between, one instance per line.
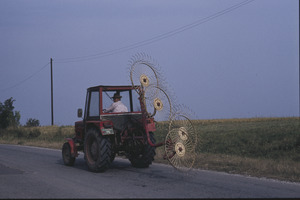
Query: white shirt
x=117, y=107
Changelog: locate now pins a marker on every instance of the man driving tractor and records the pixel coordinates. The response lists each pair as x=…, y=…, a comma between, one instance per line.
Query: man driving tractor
x=117, y=105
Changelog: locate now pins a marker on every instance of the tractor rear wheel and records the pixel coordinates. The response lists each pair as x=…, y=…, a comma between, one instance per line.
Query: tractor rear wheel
x=66, y=154
x=145, y=156
x=98, y=150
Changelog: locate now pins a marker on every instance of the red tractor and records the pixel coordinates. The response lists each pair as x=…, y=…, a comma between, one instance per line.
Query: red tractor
x=101, y=135
x=129, y=130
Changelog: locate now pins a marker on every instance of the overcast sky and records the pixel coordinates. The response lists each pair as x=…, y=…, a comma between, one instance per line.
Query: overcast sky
x=222, y=58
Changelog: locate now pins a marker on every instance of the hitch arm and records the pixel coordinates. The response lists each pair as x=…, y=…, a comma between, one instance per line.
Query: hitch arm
x=151, y=143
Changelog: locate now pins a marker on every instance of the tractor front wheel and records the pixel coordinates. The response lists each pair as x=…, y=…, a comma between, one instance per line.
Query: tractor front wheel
x=66, y=154
x=98, y=151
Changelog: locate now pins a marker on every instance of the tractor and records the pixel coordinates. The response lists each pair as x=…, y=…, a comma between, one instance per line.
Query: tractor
x=103, y=135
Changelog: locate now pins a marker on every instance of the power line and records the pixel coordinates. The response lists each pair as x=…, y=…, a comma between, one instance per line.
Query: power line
x=26, y=79
x=139, y=44
x=156, y=38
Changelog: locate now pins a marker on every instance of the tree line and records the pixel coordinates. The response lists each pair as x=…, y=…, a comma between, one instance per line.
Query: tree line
x=11, y=118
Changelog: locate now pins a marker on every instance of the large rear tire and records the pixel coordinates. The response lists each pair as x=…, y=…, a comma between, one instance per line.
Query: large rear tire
x=66, y=154
x=145, y=156
x=98, y=151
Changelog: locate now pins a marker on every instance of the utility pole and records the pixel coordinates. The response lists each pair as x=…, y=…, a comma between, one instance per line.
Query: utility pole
x=51, y=92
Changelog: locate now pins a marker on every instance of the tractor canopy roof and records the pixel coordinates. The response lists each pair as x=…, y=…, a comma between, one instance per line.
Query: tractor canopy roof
x=111, y=87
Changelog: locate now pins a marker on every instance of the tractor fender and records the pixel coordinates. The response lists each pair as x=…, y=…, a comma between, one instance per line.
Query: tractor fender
x=72, y=144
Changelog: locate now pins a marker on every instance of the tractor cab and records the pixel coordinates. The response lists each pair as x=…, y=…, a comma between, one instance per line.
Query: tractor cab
x=98, y=100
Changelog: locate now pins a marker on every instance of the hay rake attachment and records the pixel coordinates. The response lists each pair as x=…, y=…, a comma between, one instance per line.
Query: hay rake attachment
x=181, y=139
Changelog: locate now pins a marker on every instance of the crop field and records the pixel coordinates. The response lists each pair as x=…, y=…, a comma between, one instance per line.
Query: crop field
x=261, y=147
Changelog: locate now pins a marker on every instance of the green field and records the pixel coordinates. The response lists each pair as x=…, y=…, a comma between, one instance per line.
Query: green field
x=261, y=147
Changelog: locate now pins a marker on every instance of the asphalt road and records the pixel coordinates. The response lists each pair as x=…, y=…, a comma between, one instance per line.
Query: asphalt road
x=31, y=172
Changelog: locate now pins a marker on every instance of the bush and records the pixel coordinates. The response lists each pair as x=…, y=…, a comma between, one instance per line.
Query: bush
x=9, y=117
x=32, y=122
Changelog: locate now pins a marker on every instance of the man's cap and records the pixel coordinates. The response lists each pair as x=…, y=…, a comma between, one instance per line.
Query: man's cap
x=117, y=95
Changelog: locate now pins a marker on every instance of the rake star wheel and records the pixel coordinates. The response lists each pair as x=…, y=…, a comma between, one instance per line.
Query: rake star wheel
x=157, y=103
x=180, y=143
x=143, y=72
